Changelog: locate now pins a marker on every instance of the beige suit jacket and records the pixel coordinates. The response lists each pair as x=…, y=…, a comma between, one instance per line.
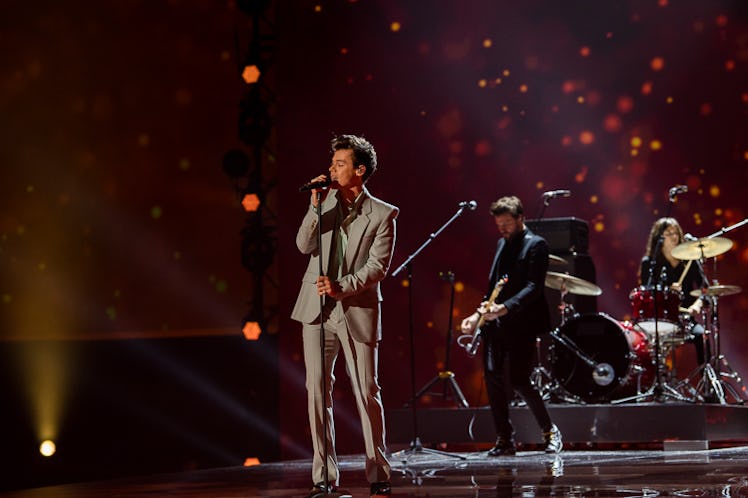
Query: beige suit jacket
x=371, y=241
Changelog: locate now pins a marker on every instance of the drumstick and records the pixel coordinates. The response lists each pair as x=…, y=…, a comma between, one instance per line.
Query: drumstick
x=685, y=270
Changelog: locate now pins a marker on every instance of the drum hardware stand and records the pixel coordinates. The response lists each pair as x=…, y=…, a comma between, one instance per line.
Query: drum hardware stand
x=415, y=445
x=447, y=375
x=711, y=385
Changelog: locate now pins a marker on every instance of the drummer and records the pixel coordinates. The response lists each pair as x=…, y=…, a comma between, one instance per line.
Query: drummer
x=668, y=271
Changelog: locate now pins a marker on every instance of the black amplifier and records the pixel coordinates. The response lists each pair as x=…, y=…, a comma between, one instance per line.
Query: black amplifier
x=564, y=235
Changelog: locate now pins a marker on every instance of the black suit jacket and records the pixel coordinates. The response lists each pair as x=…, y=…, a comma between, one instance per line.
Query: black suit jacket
x=523, y=294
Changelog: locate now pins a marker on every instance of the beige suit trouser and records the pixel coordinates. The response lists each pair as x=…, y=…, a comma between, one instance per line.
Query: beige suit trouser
x=361, y=364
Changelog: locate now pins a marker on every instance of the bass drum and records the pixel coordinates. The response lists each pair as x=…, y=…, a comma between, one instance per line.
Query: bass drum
x=620, y=352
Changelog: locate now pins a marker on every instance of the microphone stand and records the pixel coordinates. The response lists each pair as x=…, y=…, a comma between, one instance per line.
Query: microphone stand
x=447, y=375
x=327, y=491
x=415, y=444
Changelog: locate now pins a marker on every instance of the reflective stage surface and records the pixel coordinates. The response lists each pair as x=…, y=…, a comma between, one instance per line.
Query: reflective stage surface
x=620, y=473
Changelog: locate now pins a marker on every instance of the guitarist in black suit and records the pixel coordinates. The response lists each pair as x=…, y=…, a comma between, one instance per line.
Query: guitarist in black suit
x=511, y=324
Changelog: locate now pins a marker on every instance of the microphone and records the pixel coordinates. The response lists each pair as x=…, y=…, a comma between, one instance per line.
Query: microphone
x=468, y=204
x=315, y=185
x=556, y=193
x=689, y=238
x=678, y=189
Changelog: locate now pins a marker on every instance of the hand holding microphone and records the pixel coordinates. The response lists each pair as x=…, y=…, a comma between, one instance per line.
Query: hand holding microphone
x=317, y=184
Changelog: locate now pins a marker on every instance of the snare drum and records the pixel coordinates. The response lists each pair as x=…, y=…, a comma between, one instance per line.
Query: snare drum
x=618, y=349
x=667, y=316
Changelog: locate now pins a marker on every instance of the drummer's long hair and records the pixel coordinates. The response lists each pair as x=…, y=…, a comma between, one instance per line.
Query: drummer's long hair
x=658, y=229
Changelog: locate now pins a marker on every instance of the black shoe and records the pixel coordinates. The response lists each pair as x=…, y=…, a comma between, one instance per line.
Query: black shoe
x=504, y=447
x=382, y=488
x=552, y=440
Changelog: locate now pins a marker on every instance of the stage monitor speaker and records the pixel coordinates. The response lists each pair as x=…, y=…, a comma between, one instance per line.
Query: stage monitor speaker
x=567, y=235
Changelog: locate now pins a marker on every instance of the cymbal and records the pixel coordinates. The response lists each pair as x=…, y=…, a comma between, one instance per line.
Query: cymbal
x=556, y=260
x=573, y=285
x=707, y=247
x=717, y=290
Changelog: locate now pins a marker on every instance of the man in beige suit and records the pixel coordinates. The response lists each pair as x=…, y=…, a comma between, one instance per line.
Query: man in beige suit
x=358, y=237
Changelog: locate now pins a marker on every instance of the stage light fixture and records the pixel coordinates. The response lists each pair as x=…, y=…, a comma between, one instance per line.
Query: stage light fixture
x=252, y=330
x=251, y=461
x=47, y=448
x=251, y=202
x=251, y=74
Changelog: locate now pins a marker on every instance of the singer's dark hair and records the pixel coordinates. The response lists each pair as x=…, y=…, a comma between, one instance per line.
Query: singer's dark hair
x=363, y=152
x=509, y=204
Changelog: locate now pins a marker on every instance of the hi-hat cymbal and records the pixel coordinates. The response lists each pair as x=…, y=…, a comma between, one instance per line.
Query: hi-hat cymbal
x=717, y=290
x=556, y=260
x=707, y=247
x=573, y=285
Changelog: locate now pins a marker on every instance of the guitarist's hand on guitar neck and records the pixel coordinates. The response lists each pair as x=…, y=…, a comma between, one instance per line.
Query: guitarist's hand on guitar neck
x=491, y=310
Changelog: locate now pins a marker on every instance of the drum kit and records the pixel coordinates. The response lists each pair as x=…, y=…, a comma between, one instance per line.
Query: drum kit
x=595, y=358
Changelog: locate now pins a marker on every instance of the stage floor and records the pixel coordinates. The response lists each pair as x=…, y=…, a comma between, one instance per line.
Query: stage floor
x=621, y=473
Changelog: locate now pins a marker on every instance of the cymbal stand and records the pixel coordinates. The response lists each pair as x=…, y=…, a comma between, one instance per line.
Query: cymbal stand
x=711, y=385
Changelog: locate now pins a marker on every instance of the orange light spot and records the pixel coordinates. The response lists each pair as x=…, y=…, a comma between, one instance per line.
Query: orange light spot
x=599, y=226
x=594, y=199
x=612, y=123
x=251, y=74
x=580, y=99
x=523, y=88
x=568, y=87
x=539, y=185
x=487, y=43
x=344, y=51
x=317, y=8
x=625, y=104
x=714, y=191
x=730, y=65
x=584, y=51
x=581, y=175
x=251, y=461
x=745, y=155
x=636, y=142
x=657, y=64
x=566, y=141
x=655, y=145
x=251, y=203
x=459, y=286
x=586, y=137
x=251, y=331
x=646, y=88
x=395, y=26
x=505, y=73
x=429, y=325
x=404, y=283
x=669, y=100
